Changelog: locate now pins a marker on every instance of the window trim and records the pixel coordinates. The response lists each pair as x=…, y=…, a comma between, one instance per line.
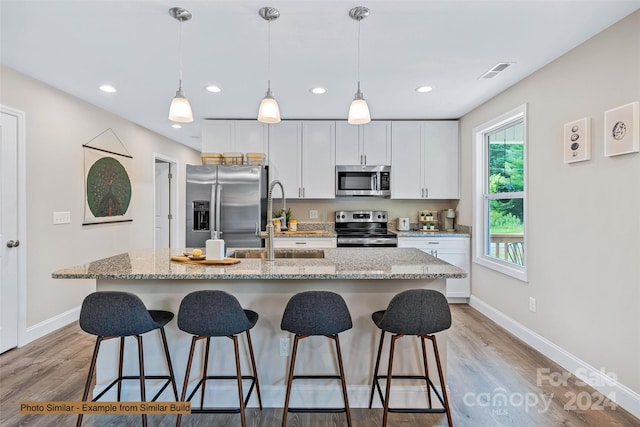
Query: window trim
x=480, y=202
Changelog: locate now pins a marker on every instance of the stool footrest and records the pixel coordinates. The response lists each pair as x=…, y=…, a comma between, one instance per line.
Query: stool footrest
x=222, y=377
x=137, y=378
x=318, y=377
x=318, y=410
x=411, y=410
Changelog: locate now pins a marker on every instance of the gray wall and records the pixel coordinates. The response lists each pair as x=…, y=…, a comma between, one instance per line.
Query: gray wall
x=584, y=218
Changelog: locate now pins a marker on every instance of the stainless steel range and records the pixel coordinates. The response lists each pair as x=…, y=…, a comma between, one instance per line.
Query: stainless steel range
x=363, y=229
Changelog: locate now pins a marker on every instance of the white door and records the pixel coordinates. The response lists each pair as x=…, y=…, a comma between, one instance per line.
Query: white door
x=406, y=160
x=8, y=232
x=162, y=205
x=376, y=143
x=318, y=160
x=284, y=157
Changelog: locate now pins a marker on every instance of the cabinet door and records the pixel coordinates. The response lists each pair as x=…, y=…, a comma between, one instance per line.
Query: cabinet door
x=318, y=160
x=406, y=160
x=376, y=143
x=284, y=156
x=457, y=287
x=347, y=144
x=442, y=164
x=251, y=136
x=217, y=136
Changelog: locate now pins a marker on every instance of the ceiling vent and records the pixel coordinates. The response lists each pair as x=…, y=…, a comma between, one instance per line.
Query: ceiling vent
x=500, y=66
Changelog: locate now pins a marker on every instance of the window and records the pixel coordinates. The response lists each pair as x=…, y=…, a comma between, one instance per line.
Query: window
x=500, y=194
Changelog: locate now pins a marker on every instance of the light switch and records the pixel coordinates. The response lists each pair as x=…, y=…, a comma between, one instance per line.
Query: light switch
x=61, y=218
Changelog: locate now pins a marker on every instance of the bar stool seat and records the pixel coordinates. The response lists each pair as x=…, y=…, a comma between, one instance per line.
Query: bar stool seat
x=316, y=313
x=118, y=315
x=210, y=313
x=418, y=312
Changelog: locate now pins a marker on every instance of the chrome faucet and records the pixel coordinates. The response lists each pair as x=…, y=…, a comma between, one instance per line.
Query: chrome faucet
x=268, y=233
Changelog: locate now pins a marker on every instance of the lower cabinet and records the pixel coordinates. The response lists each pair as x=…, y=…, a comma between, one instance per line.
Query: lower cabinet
x=454, y=250
x=304, y=243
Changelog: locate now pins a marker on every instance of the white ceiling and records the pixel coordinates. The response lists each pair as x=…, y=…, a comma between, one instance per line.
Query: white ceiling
x=77, y=45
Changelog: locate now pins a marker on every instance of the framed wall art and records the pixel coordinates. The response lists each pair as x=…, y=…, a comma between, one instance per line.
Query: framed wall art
x=107, y=186
x=621, y=134
x=577, y=140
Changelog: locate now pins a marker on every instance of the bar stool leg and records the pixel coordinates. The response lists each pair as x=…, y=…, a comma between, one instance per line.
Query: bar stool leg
x=204, y=372
x=290, y=380
x=143, y=396
x=92, y=369
x=375, y=370
x=186, y=377
x=442, y=383
x=239, y=376
x=388, y=388
x=168, y=357
x=426, y=369
x=342, y=379
x=120, y=368
x=255, y=371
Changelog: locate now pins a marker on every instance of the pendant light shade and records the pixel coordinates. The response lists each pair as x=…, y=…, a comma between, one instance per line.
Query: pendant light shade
x=359, y=110
x=269, y=112
x=180, y=109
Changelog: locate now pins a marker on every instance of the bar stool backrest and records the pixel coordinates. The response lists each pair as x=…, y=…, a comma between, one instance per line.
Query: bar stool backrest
x=115, y=314
x=316, y=313
x=417, y=312
x=212, y=314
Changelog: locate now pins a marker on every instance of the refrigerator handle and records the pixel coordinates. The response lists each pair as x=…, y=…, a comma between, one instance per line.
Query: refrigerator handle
x=219, y=210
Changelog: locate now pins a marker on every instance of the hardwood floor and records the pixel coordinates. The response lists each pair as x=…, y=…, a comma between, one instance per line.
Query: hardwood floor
x=494, y=380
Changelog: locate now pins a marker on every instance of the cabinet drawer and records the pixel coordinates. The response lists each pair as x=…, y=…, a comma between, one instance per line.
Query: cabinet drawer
x=302, y=243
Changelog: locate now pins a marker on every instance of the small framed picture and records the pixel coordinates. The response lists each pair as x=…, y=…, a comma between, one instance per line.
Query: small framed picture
x=577, y=140
x=621, y=130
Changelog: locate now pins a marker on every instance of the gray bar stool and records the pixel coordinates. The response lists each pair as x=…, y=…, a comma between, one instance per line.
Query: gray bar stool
x=118, y=315
x=419, y=312
x=207, y=314
x=315, y=313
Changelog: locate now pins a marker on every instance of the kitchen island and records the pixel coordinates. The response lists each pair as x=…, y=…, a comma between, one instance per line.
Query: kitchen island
x=367, y=278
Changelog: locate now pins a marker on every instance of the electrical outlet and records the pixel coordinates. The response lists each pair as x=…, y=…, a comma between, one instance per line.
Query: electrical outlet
x=61, y=218
x=313, y=214
x=532, y=304
x=284, y=346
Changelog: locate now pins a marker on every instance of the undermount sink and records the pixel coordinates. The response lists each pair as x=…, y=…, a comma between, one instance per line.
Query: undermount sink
x=280, y=253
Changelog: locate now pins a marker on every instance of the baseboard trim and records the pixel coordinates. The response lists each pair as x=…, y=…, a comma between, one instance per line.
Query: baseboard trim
x=47, y=326
x=596, y=378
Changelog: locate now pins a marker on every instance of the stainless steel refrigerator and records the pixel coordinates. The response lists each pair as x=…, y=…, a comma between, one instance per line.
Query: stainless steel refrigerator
x=226, y=201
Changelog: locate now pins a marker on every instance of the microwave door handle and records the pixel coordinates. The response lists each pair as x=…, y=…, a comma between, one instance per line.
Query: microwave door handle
x=374, y=182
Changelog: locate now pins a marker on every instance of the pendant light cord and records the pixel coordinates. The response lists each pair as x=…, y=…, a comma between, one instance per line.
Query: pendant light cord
x=359, y=20
x=180, y=55
x=269, y=56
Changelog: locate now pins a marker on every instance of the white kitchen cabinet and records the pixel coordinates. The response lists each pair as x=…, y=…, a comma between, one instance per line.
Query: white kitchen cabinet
x=368, y=144
x=425, y=160
x=304, y=243
x=454, y=250
x=243, y=136
x=302, y=157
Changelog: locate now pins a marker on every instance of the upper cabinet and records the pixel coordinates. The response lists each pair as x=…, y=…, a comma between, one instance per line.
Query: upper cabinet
x=243, y=136
x=425, y=160
x=302, y=157
x=368, y=144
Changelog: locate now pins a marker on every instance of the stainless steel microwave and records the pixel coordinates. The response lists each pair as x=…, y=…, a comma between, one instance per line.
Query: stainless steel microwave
x=363, y=180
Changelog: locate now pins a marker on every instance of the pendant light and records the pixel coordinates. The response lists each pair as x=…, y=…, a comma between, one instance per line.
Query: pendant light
x=269, y=112
x=359, y=110
x=180, y=109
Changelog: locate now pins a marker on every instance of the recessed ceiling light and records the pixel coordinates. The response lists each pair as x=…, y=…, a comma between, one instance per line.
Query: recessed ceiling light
x=176, y=126
x=213, y=89
x=318, y=90
x=424, y=89
x=107, y=89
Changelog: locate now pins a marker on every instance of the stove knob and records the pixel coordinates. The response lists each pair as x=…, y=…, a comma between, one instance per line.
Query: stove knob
x=384, y=217
x=379, y=216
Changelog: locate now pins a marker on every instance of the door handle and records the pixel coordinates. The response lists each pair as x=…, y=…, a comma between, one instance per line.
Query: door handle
x=12, y=244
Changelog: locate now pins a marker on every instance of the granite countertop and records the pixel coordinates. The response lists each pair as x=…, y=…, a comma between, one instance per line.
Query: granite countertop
x=338, y=263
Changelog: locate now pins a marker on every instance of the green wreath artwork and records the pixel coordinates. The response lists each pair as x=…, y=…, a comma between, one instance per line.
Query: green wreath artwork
x=108, y=188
